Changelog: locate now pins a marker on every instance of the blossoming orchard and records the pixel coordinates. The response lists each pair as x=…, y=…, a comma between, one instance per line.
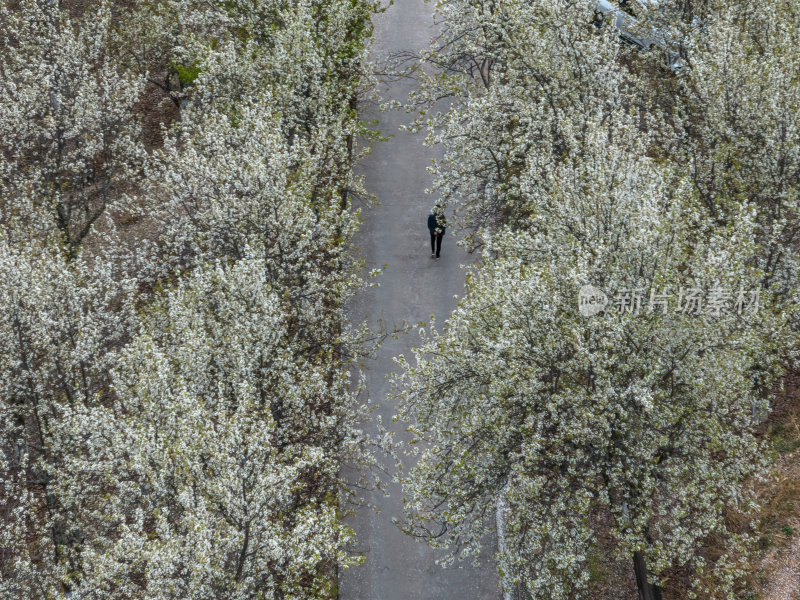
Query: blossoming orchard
x=189, y=406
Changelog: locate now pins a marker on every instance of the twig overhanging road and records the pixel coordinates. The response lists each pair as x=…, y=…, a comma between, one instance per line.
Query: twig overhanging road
x=412, y=288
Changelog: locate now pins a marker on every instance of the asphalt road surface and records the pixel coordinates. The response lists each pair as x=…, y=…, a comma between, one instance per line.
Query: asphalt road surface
x=412, y=288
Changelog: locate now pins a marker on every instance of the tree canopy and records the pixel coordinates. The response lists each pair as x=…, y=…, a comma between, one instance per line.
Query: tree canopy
x=175, y=401
x=578, y=161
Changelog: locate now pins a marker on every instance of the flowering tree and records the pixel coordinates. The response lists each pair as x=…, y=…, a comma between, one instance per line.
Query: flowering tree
x=69, y=110
x=578, y=162
x=739, y=119
x=525, y=404
x=174, y=413
x=520, y=92
x=70, y=146
x=229, y=448
x=60, y=320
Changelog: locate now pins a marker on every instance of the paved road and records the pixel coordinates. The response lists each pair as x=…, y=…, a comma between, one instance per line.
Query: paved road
x=413, y=287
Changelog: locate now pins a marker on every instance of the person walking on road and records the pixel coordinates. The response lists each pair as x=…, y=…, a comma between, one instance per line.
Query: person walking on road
x=437, y=223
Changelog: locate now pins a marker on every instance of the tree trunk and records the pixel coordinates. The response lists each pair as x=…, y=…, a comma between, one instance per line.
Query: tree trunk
x=647, y=590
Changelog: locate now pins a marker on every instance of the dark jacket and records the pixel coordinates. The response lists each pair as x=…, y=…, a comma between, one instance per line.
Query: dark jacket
x=434, y=222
